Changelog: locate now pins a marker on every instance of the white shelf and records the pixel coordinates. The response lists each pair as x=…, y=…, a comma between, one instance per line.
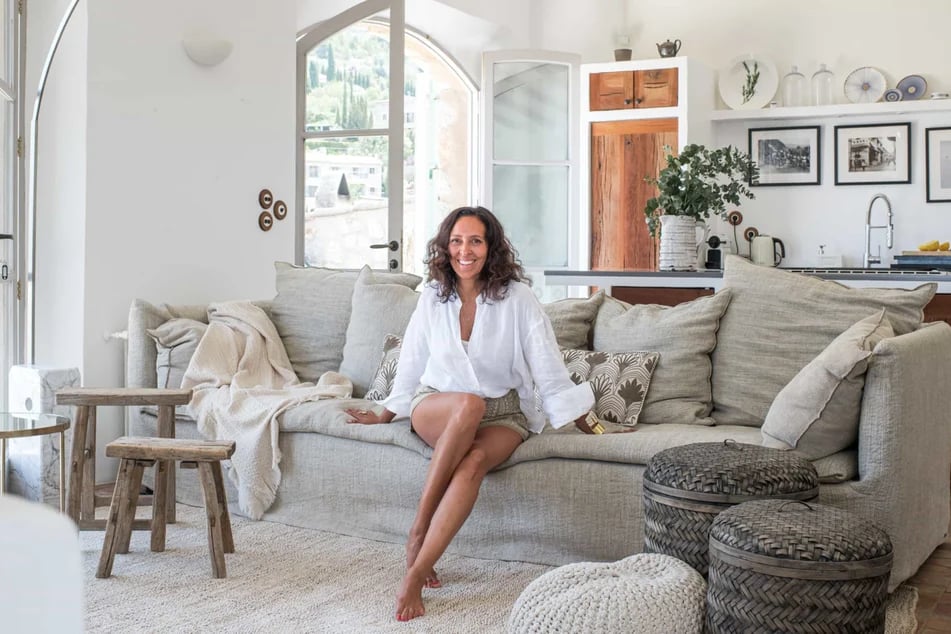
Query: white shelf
x=835, y=110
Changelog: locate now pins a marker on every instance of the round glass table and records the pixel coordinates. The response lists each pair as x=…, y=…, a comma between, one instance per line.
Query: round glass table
x=13, y=425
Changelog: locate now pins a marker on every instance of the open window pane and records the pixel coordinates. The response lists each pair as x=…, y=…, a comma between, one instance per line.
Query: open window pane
x=348, y=79
x=345, y=206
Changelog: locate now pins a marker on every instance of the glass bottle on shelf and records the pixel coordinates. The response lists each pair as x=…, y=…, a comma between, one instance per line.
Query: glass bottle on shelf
x=794, y=88
x=822, y=86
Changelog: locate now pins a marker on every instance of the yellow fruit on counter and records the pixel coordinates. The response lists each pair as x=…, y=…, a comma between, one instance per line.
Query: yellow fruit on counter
x=929, y=246
x=944, y=246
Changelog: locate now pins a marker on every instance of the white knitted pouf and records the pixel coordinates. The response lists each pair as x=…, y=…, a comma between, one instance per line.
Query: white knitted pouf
x=641, y=594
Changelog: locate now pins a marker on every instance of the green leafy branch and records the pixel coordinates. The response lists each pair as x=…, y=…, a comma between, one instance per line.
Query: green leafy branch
x=752, y=77
x=700, y=182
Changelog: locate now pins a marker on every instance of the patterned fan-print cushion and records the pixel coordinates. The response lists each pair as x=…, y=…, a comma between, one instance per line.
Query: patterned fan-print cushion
x=382, y=381
x=619, y=380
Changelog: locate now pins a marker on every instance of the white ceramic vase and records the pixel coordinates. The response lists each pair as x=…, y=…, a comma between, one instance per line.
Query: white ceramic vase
x=678, y=243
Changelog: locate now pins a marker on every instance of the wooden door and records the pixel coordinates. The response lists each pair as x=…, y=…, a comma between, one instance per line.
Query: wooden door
x=622, y=154
x=611, y=91
x=655, y=88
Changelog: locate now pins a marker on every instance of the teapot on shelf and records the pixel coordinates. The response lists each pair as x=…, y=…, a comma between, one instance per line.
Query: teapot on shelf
x=668, y=48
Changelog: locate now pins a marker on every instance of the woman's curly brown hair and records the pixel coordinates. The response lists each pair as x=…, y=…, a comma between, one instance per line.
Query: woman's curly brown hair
x=501, y=263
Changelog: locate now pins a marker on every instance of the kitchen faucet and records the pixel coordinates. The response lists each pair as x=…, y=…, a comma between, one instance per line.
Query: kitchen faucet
x=890, y=231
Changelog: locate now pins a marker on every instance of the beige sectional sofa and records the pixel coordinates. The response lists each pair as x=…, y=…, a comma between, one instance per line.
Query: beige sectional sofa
x=565, y=496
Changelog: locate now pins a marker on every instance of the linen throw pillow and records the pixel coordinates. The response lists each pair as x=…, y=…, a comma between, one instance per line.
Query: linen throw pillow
x=382, y=383
x=175, y=343
x=817, y=413
x=379, y=309
x=619, y=380
x=683, y=335
x=571, y=319
x=779, y=321
x=311, y=312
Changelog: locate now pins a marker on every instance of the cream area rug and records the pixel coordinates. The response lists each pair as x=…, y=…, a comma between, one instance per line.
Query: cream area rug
x=288, y=579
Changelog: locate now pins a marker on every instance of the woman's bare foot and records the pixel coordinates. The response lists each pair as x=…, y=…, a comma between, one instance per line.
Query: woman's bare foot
x=413, y=544
x=409, y=601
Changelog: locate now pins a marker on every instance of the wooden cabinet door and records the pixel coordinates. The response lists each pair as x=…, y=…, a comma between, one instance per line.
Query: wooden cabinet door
x=622, y=154
x=663, y=295
x=655, y=88
x=939, y=309
x=611, y=91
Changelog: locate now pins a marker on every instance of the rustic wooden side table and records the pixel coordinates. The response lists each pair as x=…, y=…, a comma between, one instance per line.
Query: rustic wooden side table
x=81, y=501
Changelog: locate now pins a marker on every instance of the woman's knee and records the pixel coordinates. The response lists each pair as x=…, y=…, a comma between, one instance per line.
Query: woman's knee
x=474, y=465
x=469, y=410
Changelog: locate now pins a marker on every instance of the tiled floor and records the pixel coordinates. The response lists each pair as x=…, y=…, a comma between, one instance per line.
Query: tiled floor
x=933, y=581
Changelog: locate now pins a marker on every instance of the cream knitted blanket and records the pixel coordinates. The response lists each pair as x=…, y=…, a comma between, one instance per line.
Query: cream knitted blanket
x=242, y=381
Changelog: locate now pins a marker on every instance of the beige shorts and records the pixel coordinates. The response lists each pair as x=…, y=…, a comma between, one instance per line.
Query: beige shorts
x=504, y=411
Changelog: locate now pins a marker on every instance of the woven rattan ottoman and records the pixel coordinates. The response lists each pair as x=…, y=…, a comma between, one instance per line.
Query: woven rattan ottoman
x=796, y=567
x=686, y=487
x=640, y=594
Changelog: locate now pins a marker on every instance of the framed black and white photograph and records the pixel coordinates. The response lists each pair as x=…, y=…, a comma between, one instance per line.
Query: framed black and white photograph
x=786, y=156
x=873, y=154
x=938, y=165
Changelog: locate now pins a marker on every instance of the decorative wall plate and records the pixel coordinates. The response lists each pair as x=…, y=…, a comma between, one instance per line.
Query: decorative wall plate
x=748, y=83
x=864, y=85
x=912, y=87
x=893, y=94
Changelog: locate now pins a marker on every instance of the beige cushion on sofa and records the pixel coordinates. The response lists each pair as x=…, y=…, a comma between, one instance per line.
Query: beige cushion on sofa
x=817, y=413
x=571, y=319
x=683, y=335
x=779, y=321
x=379, y=309
x=175, y=343
x=311, y=312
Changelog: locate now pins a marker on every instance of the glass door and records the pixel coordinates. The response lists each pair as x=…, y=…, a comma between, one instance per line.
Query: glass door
x=12, y=235
x=530, y=156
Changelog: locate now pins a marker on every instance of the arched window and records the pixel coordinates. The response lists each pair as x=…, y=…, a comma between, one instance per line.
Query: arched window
x=372, y=171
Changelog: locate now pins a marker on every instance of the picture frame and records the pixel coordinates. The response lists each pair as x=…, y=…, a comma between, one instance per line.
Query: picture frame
x=938, y=165
x=877, y=154
x=786, y=156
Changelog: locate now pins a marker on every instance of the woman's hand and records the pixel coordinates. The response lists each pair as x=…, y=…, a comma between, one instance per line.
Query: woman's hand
x=369, y=417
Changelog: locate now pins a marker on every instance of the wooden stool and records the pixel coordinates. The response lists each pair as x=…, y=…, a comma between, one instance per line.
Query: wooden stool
x=138, y=453
x=82, y=501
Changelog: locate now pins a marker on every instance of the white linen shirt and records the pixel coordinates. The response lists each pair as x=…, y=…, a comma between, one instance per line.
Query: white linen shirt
x=512, y=346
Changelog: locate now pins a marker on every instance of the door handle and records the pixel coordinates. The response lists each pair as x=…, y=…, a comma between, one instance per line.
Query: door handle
x=392, y=245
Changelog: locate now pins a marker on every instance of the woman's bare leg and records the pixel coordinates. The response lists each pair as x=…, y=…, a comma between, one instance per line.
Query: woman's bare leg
x=447, y=422
x=491, y=447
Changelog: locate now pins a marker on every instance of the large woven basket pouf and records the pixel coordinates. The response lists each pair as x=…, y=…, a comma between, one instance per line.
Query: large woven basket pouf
x=641, y=594
x=686, y=487
x=796, y=567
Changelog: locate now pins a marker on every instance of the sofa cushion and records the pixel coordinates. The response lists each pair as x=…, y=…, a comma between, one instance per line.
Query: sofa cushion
x=379, y=309
x=817, y=413
x=619, y=380
x=175, y=343
x=571, y=319
x=779, y=321
x=382, y=383
x=311, y=312
x=683, y=335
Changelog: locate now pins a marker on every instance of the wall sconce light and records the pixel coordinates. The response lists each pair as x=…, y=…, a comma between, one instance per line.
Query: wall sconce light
x=206, y=49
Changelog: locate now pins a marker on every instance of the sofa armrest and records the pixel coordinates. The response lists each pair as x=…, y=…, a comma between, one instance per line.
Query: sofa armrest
x=904, y=451
x=905, y=428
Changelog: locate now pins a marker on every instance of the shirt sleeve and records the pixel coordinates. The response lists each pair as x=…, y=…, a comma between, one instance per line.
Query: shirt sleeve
x=562, y=401
x=414, y=353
